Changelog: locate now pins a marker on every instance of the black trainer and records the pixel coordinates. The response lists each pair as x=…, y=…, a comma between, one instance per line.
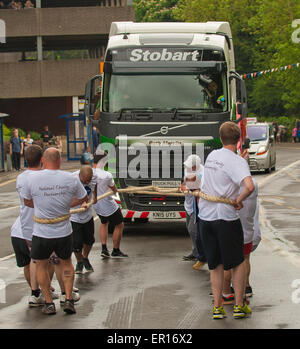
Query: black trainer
x=105, y=253
x=79, y=268
x=190, y=257
x=118, y=254
x=249, y=292
x=87, y=265
x=68, y=307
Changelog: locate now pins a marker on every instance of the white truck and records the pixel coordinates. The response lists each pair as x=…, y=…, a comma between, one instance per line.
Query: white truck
x=165, y=84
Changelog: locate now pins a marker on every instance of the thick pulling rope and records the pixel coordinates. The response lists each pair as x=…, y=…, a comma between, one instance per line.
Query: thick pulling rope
x=147, y=190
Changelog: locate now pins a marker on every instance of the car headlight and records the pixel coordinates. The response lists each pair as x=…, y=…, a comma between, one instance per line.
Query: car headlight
x=261, y=150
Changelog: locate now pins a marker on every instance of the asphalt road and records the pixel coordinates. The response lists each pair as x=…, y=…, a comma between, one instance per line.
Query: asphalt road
x=154, y=288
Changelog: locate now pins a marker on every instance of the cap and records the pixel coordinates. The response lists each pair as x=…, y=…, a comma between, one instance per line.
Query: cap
x=192, y=160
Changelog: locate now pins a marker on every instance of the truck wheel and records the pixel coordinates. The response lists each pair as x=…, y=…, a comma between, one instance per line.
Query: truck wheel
x=141, y=220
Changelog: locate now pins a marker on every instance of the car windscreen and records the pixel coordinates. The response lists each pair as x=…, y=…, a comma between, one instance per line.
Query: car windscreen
x=257, y=132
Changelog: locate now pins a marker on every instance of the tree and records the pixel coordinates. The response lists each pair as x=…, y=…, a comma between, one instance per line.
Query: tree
x=154, y=10
x=261, y=30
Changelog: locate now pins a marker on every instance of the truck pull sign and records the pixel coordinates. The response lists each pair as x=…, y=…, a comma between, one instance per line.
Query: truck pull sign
x=164, y=55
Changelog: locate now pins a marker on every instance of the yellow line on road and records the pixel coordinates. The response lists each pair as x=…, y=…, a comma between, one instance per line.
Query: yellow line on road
x=7, y=182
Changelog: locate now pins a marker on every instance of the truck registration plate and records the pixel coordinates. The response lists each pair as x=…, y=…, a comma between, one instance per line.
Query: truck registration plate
x=165, y=215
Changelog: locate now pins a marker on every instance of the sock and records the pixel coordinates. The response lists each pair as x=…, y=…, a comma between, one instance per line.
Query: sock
x=116, y=249
x=104, y=247
x=227, y=295
x=36, y=293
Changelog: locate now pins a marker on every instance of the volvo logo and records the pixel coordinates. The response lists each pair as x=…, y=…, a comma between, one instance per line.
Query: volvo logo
x=164, y=130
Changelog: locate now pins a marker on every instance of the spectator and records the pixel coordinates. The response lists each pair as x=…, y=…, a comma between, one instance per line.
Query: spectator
x=58, y=144
x=95, y=136
x=16, y=150
x=294, y=134
x=275, y=130
x=15, y=5
x=28, y=4
x=2, y=5
x=86, y=157
x=27, y=141
x=11, y=5
x=46, y=136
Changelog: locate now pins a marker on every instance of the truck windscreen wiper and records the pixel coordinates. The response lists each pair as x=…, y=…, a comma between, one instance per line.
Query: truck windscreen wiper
x=176, y=110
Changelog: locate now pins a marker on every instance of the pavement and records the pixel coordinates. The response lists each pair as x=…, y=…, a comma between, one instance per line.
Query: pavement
x=155, y=289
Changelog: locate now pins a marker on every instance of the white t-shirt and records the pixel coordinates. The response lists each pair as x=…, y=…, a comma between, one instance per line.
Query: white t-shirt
x=247, y=214
x=257, y=233
x=52, y=192
x=16, y=230
x=86, y=216
x=189, y=199
x=223, y=173
x=107, y=206
x=26, y=213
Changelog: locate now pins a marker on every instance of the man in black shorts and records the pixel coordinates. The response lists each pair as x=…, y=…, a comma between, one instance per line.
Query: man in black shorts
x=107, y=209
x=220, y=228
x=22, y=229
x=83, y=223
x=51, y=193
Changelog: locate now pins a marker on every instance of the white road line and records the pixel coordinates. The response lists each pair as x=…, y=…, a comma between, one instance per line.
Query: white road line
x=8, y=208
x=7, y=257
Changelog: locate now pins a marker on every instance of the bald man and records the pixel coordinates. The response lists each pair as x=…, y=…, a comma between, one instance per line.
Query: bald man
x=51, y=193
x=83, y=223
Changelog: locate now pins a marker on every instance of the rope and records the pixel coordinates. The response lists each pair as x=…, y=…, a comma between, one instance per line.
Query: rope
x=147, y=190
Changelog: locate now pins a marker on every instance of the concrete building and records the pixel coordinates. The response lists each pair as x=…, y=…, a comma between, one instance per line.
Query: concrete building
x=49, y=54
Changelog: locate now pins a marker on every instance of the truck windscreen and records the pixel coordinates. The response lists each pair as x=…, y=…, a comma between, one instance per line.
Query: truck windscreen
x=205, y=92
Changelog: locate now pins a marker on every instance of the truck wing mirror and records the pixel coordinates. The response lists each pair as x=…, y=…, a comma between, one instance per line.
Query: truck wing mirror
x=89, y=105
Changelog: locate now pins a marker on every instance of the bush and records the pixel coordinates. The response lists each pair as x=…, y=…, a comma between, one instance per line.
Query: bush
x=35, y=136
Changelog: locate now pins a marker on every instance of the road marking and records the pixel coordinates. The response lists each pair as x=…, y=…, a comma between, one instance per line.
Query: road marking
x=7, y=257
x=267, y=179
x=9, y=208
x=7, y=182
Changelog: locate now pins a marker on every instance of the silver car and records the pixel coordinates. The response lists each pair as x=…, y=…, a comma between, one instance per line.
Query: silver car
x=262, y=152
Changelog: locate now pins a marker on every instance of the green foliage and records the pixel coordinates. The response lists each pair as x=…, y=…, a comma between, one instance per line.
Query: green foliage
x=262, y=31
x=154, y=10
x=35, y=135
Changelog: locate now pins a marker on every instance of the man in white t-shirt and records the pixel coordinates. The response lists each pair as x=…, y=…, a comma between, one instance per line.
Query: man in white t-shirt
x=21, y=231
x=221, y=231
x=83, y=223
x=107, y=209
x=51, y=193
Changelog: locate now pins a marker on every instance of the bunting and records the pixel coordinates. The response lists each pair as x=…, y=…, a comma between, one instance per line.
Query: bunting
x=274, y=70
